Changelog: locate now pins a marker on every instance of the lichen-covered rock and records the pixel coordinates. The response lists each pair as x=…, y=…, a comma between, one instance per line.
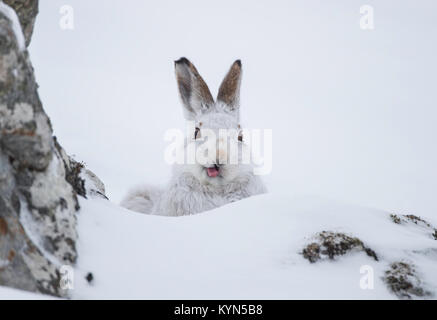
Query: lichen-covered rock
x=39, y=183
x=93, y=185
x=418, y=222
x=402, y=279
x=73, y=170
x=83, y=180
x=328, y=245
x=26, y=11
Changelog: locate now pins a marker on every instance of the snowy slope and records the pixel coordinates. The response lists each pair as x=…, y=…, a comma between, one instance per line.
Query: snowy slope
x=14, y=294
x=248, y=249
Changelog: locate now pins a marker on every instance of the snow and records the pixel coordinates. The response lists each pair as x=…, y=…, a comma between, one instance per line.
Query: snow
x=14, y=294
x=250, y=249
x=16, y=27
x=352, y=114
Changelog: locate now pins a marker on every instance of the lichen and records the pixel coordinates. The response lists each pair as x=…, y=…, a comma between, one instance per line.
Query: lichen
x=328, y=244
x=402, y=279
x=26, y=11
x=410, y=219
x=395, y=219
x=72, y=175
x=52, y=211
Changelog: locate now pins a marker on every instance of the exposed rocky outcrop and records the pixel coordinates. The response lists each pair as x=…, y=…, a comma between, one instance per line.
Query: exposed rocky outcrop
x=412, y=220
x=26, y=11
x=402, y=279
x=39, y=183
x=328, y=245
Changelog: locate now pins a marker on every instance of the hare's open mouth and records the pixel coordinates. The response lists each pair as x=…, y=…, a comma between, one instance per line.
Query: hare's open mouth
x=213, y=171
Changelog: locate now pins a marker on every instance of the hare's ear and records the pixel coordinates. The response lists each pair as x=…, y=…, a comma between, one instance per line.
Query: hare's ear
x=229, y=91
x=193, y=90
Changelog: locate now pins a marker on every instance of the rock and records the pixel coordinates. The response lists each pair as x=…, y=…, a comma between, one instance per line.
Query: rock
x=402, y=279
x=89, y=277
x=418, y=223
x=93, y=185
x=73, y=170
x=26, y=11
x=328, y=244
x=39, y=183
x=83, y=180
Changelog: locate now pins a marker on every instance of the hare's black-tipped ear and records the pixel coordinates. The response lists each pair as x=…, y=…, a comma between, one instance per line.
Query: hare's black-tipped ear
x=194, y=92
x=229, y=91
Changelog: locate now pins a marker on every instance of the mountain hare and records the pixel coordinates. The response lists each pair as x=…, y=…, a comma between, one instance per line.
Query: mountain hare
x=216, y=181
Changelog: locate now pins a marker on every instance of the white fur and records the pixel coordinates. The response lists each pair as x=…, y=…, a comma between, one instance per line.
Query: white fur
x=190, y=189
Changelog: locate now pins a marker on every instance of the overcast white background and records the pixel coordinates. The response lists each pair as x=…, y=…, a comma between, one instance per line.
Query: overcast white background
x=353, y=112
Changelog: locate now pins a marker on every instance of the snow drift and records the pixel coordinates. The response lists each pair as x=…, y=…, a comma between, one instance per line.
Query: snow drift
x=250, y=249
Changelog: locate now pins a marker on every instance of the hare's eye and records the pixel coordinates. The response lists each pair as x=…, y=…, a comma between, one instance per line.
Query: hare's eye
x=197, y=133
x=240, y=137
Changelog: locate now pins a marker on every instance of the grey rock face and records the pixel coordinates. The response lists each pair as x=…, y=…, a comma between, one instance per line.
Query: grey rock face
x=26, y=11
x=38, y=185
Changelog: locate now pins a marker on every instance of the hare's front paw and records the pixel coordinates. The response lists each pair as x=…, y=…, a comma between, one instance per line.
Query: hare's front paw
x=187, y=181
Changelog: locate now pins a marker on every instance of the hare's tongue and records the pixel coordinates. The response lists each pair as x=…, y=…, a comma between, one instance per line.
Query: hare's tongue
x=212, y=172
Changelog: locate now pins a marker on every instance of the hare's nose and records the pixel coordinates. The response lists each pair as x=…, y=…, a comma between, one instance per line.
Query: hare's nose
x=221, y=152
x=221, y=157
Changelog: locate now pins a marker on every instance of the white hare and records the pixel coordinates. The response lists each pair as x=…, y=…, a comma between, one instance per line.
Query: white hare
x=198, y=187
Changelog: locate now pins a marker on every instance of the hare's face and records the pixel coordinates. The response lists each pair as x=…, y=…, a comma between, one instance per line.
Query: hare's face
x=216, y=133
x=218, y=138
